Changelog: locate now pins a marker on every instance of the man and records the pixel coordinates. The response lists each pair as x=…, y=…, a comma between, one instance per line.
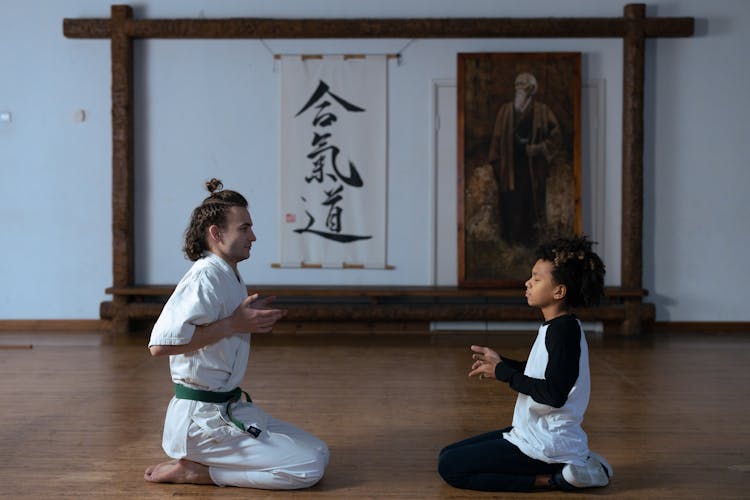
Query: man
x=525, y=140
x=212, y=435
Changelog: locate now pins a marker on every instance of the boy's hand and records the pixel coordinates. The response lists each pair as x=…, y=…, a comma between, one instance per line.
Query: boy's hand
x=485, y=354
x=485, y=361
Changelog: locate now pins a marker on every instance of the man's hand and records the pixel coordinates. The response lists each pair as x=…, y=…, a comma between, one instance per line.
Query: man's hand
x=255, y=315
x=485, y=361
x=252, y=316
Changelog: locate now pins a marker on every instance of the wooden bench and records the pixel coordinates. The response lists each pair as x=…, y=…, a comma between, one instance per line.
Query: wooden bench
x=622, y=310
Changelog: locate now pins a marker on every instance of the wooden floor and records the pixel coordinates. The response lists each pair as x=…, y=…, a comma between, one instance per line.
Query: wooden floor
x=82, y=414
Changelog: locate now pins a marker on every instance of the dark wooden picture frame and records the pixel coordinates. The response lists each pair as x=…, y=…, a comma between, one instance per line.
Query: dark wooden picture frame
x=519, y=161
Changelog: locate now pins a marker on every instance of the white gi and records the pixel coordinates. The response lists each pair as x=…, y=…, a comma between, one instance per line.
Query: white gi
x=282, y=456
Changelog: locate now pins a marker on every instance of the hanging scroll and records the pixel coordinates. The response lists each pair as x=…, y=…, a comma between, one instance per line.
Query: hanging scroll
x=333, y=161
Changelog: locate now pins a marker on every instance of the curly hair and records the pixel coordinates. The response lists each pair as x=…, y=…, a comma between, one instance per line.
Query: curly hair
x=577, y=267
x=213, y=211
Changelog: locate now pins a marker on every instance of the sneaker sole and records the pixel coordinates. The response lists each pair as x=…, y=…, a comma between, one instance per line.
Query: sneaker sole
x=591, y=476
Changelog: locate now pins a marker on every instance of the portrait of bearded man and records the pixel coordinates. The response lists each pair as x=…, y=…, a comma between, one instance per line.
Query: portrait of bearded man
x=519, y=172
x=525, y=141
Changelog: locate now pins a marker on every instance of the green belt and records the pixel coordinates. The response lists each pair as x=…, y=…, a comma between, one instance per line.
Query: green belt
x=183, y=392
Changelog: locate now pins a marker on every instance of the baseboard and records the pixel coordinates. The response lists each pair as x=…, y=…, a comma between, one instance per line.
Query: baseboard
x=53, y=325
x=699, y=327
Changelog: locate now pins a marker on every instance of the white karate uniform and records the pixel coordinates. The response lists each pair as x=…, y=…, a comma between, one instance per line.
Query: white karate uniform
x=282, y=456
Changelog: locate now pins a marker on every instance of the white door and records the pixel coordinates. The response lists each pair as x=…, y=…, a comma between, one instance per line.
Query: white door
x=446, y=219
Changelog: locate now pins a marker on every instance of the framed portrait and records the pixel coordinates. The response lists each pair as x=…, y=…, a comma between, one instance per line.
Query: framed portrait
x=518, y=161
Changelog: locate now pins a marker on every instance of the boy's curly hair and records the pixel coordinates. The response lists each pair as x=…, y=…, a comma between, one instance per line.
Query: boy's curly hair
x=213, y=211
x=577, y=267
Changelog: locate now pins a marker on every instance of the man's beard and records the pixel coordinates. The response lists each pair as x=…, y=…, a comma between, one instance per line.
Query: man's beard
x=521, y=100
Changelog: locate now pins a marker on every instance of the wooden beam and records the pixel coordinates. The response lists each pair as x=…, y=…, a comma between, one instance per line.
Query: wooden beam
x=123, y=187
x=380, y=28
x=53, y=325
x=401, y=312
x=631, y=264
x=139, y=292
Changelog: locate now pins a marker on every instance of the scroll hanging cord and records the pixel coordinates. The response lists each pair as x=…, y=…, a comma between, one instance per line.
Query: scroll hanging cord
x=275, y=57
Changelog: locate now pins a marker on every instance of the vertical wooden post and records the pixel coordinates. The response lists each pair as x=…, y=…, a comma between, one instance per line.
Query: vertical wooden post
x=123, y=237
x=634, y=43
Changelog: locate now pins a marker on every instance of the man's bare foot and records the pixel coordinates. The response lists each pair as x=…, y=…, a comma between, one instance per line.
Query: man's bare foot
x=178, y=471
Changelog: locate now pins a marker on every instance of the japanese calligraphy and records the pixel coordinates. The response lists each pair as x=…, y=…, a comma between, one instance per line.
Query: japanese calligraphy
x=325, y=165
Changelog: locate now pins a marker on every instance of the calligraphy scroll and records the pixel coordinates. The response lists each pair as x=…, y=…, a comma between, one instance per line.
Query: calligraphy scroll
x=333, y=161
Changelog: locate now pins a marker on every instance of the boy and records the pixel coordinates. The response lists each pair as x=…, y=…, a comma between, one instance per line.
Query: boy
x=546, y=446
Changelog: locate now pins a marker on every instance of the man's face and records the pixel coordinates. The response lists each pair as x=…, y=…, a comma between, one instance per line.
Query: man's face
x=236, y=237
x=523, y=84
x=524, y=89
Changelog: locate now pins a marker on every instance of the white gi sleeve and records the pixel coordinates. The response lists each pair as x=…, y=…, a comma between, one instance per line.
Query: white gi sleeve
x=192, y=304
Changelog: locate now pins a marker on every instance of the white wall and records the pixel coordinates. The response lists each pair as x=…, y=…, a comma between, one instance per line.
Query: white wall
x=210, y=108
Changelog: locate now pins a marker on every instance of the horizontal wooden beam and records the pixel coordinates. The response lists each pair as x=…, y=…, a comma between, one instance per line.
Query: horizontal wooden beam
x=701, y=327
x=312, y=291
x=403, y=312
x=56, y=325
x=381, y=28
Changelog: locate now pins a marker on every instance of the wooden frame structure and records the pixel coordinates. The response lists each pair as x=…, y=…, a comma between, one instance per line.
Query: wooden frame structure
x=633, y=28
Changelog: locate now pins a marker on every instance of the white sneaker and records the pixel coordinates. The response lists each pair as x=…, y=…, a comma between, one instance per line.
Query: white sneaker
x=596, y=472
x=610, y=472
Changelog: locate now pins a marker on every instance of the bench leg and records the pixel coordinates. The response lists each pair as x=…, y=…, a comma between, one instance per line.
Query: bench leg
x=633, y=323
x=120, y=318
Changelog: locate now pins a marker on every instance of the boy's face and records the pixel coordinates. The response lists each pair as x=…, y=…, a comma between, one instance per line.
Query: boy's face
x=541, y=289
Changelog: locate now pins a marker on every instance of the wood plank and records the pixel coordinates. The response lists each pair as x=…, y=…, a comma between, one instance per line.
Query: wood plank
x=94, y=422
x=700, y=327
x=632, y=151
x=60, y=325
x=361, y=291
x=334, y=313
x=233, y=28
x=123, y=171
